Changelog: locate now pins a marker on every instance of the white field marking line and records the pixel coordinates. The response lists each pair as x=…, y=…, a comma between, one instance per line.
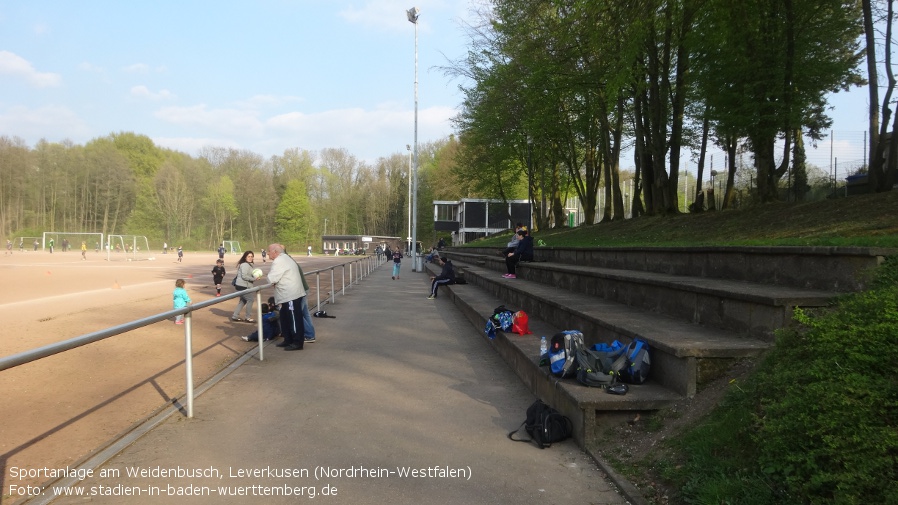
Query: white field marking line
x=130, y=266
x=80, y=293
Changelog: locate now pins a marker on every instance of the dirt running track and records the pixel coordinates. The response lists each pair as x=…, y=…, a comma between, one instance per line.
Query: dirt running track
x=56, y=411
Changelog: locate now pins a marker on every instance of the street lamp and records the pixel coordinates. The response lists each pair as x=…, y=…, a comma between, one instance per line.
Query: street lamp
x=413, y=18
x=408, y=236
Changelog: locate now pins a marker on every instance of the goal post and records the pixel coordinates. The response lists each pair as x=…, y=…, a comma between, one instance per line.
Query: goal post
x=128, y=248
x=27, y=243
x=64, y=241
x=232, y=246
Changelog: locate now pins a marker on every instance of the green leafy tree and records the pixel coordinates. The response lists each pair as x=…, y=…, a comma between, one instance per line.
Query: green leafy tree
x=765, y=66
x=291, y=218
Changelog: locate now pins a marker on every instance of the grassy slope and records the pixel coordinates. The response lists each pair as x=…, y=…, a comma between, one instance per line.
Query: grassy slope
x=866, y=220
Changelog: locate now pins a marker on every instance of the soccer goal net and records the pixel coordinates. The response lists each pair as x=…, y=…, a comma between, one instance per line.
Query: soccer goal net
x=70, y=241
x=128, y=248
x=232, y=246
x=27, y=243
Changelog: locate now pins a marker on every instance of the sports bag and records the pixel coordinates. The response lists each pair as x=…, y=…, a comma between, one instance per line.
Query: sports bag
x=638, y=362
x=234, y=281
x=562, y=352
x=490, y=329
x=545, y=426
x=520, y=323
x=503, y=318
x=598, y=369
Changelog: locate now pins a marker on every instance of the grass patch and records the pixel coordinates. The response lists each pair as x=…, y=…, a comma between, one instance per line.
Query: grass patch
x=858, y=221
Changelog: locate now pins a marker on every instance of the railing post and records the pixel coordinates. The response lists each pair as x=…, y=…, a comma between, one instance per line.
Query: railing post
x=333, y=294
x=188, y=361
x=259, y=324
x=318, y=290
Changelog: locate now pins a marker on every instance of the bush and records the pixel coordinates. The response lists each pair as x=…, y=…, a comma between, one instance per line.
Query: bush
x=827, y=401
x=816, y=423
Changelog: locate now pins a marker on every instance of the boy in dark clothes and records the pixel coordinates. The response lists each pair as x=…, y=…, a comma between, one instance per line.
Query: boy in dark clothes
x=270, y=327
x=447, y=276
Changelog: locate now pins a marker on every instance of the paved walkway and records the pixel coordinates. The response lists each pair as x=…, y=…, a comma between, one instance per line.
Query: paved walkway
x=400, y=401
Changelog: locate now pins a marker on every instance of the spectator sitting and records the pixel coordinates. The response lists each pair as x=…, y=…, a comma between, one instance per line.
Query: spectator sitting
x=270, y=329
x=513, y=243
x=524, y=251
x=447, y=276
x=433, y=256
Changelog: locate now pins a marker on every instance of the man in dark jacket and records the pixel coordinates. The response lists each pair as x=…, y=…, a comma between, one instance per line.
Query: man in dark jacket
x=447, y=276
x=524, y=251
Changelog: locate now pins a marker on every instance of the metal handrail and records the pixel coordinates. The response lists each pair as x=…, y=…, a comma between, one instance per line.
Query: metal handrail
x=370, y=263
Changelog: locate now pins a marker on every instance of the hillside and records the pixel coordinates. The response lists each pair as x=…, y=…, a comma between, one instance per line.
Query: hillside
x=865, y=220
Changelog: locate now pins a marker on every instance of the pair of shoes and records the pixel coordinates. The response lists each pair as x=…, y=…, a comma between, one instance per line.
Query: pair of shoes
x=236, y=319
x=293, y=347
x=512, y=276
x=245, y=338
x=431, y=297
x=393, y=277
x=217, y=294
x=309, y=339
x=283, y=344
x=505, y=275
x=250, y=320
x=179, y=322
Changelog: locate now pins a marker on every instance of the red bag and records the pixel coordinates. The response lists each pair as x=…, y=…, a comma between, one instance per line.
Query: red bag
x=520, y=324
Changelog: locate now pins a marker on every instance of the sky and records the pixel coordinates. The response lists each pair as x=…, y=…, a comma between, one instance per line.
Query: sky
x=257, y=75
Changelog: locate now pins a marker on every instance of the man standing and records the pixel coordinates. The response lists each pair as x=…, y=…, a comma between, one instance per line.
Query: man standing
x=221, y=251
x=288, y=293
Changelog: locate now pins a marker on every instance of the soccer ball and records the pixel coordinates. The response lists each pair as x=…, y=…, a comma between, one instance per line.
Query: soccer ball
x=257, y=273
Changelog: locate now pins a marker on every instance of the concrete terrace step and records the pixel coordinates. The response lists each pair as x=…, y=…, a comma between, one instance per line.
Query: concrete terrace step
x=842, y=269
x=738, y=306
x=587, y=407
x=680, y=348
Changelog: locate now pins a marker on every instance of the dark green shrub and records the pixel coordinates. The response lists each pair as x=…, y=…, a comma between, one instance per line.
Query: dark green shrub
x=827, y=401
x=818, y=421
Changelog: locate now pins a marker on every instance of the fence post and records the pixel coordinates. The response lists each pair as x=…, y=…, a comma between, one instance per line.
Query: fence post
x=188, y=361
x=261, y=334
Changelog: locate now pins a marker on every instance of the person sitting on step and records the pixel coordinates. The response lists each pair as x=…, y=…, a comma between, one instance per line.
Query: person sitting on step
x=523, y=252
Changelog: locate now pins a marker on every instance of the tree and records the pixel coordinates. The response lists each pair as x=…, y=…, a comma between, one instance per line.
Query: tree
x=292, y=225
x=765, y=66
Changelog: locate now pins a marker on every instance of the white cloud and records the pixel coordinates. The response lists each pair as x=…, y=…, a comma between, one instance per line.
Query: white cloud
x=50, y=122
x=262, y=101
x=90, y=67
x=137, y=68
x=14, y=65
x=228, y=122
x=144, y=92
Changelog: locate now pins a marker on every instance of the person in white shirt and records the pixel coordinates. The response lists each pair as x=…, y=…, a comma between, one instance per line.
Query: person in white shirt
x=288, y=293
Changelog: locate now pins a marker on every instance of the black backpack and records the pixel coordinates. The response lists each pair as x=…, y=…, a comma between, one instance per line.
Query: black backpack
x=545, y=426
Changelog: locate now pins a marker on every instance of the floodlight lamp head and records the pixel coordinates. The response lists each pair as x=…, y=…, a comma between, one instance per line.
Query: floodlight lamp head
x=408, y=147
x=413, y=14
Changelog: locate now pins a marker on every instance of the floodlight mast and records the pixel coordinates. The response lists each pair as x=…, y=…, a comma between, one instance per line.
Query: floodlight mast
x=413, y=14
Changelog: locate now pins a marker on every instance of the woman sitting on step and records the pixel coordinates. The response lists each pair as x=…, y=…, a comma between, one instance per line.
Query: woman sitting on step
x=524, y=251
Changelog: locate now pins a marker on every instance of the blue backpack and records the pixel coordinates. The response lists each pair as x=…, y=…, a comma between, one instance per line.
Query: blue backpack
x=636, y=363
x=563, y=353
